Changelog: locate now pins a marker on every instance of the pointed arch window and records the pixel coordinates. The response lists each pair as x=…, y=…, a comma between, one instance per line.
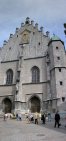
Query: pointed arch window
x=35, y=74
x=9, y=77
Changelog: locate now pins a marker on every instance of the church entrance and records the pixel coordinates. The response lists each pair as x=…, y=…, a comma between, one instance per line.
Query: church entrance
x=7, y=105
x=34, y=104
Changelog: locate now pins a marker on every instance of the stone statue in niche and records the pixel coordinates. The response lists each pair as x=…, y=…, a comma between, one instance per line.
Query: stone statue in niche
x=25, y=37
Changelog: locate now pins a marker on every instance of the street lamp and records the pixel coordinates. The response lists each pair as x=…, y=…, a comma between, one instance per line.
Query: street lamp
x=65, y=28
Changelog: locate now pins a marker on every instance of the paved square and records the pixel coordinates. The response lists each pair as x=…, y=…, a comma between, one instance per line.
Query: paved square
x=12, y=130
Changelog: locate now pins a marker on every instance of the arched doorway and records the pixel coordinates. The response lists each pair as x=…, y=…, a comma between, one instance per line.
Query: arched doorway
x=7, y=105
x=34, y=104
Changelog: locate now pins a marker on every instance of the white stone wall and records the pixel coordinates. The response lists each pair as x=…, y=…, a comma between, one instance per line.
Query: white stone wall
x=59, y=52
x=27, y=52
x=58, y=90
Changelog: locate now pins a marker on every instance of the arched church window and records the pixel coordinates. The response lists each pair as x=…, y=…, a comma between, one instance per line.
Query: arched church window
x=35, y=74
x=9, y=77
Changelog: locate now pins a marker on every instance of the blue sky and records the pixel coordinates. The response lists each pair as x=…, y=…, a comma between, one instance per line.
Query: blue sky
x=51, y=14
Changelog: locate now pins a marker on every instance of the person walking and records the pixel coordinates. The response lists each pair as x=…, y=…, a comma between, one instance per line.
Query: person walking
x=57, y=119
x=36, y=118
x=4, y=117
x=17, y=117
x=43, y=118
x=49, y=116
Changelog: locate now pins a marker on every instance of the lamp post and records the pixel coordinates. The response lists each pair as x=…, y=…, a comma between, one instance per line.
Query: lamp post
x=65, y=28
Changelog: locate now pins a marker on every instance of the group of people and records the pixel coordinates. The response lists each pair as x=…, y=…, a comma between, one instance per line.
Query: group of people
x=43, y=118
x=36, y=118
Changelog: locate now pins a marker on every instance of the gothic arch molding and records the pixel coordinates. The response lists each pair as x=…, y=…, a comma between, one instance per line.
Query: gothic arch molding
x=34, y=104
x=7, y=105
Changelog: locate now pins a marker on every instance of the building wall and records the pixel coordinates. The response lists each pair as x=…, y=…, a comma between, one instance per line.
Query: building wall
x=58, y=90
x=27, y=48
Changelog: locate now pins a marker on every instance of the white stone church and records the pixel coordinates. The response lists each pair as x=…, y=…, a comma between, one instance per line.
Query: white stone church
x=32, y=71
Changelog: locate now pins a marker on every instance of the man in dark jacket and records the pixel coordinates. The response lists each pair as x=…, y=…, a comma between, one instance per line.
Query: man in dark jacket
x=57, y=119
x=43, y=118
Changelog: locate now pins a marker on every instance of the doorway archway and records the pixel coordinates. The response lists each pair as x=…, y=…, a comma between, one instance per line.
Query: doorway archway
x=7, y=105
x=34, y=104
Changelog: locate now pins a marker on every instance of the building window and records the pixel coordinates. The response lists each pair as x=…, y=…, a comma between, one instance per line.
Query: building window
x=39, y=43
x=9, y=48
x=61, y=83
x=9, y=77
x=35, y=74
x=48, y=63
x=63, y=99
x=56, y=47
x=58, y=58
x=60, y=70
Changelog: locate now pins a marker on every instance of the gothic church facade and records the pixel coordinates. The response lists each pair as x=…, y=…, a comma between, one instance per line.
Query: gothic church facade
x=32, y=71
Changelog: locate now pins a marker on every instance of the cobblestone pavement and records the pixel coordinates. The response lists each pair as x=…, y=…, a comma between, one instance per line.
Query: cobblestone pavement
x=12, y=130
